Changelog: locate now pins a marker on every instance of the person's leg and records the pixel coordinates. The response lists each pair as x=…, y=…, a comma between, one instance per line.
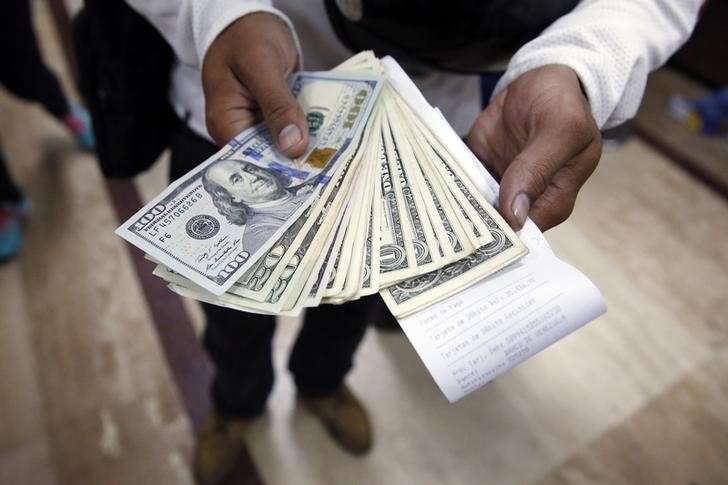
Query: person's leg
x=24, y=73
x=238, y=343
x=321, y=358
x=324, y=350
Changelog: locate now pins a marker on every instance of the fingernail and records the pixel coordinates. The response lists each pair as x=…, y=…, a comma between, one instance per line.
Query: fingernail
x=289, y=136
x=520, y=207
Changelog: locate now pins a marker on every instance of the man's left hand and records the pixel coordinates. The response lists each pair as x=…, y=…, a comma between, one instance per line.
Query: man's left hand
x=540, y=136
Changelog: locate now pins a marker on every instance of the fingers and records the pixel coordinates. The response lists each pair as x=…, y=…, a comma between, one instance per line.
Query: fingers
x=234, y=94
x=228, y=106
x=540, y=135
x=488, y=138
x=266, y=79
x=245, y=74
x=554, y=206
x=557, y=201
x=530, y=173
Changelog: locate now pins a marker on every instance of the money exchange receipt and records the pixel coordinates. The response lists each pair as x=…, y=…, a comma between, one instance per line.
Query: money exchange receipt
x=485, y=330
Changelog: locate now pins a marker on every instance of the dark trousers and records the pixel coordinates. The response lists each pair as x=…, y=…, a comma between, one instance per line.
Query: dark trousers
x=23, y=72
x=239, y=344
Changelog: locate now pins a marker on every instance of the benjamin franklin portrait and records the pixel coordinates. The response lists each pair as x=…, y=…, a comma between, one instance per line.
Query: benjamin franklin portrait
x=250, y=195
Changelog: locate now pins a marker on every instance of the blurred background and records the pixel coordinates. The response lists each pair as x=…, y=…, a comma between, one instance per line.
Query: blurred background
x=103, y=381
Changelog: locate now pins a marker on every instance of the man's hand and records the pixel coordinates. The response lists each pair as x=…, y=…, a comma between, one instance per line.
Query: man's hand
x=540, y=136
x=244, y=76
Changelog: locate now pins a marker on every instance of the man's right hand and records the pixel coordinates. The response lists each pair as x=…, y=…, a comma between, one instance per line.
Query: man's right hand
x=244, y=76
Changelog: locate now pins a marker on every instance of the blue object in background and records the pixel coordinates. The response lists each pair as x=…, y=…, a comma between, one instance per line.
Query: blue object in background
x=707, y=115
x=713, y=111
x=11, y=230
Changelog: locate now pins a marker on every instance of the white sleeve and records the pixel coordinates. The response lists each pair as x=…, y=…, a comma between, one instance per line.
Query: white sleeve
x=190, y=26
x=612, y=45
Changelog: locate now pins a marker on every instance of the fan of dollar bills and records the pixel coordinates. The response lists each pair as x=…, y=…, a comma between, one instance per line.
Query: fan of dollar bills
x=377, y=203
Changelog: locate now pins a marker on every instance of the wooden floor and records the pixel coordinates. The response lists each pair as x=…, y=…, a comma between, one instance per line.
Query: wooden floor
x=91, y=394
x=706, y=156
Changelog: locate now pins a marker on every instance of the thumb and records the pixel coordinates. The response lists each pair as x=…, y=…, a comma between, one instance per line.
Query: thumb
x=281, y=111
x=527, y=177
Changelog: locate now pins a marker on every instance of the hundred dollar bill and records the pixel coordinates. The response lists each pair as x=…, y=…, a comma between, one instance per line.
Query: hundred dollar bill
x=370, y=283
x=346, y=274
x=321, y=276
x=289, y=284
x=350, y=241
x=256, y=283
x=370, y=274
x=364, y=61
x=329, y=275
x=304, y=251
x=315, y=276
x=286, y=288
x=357, y=266
x=212, y=224
x=366, y=277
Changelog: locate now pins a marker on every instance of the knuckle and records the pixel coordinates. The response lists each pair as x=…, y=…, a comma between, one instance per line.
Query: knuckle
x=565, y=211
x=556, y=206
x=578, y=124
x=564, y=206
x=212, y=123
x=555, y=218
x=280, y=110
x=596, y=148
x=264, y=54
x=534, y=175
x=586, y=163
x=252, y=56
x=477, y=143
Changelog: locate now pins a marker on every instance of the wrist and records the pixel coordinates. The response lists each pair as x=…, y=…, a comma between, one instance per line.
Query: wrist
x=213, y=25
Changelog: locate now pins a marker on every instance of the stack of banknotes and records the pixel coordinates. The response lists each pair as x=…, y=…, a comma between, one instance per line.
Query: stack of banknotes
x=376, y=204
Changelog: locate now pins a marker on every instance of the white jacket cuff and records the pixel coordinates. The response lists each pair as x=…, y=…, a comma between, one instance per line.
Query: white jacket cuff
x=612, y=45
x=212, y=17
x=582, y=61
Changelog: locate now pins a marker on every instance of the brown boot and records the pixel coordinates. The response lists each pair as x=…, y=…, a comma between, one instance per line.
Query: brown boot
x=218, y=447
x=344, y=418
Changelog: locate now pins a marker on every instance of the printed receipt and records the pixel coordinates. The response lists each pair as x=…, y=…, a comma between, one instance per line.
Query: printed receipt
x=485, y=330
x=474, y=336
